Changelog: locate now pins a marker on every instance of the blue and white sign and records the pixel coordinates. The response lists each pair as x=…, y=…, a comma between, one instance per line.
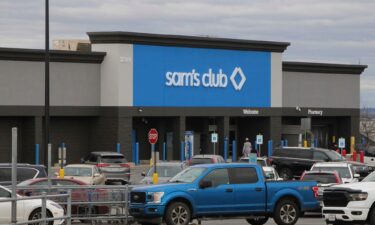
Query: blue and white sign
x=253, y=158
x=214, y=138
x=341, y=142
x=259, y=139
x=179, y=76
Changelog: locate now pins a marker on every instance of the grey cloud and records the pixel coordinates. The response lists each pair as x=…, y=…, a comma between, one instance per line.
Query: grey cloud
x=319, y=30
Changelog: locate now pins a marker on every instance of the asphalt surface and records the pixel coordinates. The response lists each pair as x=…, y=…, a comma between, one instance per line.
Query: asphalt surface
x=308, y=220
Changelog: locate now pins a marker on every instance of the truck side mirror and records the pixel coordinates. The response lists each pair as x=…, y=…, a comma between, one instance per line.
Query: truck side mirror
x=205, y=184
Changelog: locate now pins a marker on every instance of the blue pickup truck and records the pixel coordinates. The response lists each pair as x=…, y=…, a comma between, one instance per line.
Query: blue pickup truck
x=222, y=190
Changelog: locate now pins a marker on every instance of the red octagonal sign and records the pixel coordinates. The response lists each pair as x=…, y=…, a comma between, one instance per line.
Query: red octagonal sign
x=153, y=136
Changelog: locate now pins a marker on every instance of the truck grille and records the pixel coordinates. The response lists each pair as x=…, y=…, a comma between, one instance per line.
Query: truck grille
x=138, y=197
x=335, y=199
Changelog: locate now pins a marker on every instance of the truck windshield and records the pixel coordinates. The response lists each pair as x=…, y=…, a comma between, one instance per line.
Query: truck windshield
x=187, y=176
x=344, y=172
x=334, y=156
x=369, y=178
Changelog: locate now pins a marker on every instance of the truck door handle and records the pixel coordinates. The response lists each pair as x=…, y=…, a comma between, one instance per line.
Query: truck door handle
x=229, y=190
x=258, y=189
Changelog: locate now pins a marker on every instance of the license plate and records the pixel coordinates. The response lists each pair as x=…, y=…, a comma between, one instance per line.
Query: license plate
x=331, y=217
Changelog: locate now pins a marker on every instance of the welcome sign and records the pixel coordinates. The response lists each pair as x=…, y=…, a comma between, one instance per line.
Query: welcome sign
x=199, y=77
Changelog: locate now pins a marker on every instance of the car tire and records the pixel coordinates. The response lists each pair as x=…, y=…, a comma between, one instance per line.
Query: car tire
x=257, y=220
x=177, y=213
x=286, y=173
x=286, y=212
x=37, y=214
x=372, y=216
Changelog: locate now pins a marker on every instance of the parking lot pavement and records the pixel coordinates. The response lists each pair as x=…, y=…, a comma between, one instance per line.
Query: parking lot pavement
x=303, y=221
x=307, y=220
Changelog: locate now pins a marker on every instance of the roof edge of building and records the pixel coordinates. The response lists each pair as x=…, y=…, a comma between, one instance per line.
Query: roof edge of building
x=185, y=41
x=313, y=67
x=22, y=54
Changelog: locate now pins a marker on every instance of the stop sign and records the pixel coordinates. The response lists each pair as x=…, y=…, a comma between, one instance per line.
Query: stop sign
x=153, y=136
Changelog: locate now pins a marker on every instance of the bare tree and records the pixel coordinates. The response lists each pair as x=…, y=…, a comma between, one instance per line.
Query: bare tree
x=367, y=124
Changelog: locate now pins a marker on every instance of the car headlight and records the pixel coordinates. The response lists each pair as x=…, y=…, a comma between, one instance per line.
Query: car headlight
x=358, y=196
x=54, y=204
x=155, y=197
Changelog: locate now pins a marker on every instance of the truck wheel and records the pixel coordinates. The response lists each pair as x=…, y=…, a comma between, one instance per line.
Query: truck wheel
x=372, y=217
x=286, y=212
x=286, y=173
x=257, y=220
x=178, y=213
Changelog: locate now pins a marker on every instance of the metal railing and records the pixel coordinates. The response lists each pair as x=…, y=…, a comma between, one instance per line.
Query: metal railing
x=93, y=204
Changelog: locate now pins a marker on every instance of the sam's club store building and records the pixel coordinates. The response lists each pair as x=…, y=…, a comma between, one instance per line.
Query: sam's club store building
x=186, y=87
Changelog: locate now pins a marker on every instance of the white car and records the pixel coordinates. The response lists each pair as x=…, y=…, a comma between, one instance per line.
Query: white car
x=351, y=203
x=27, y=210
x=271, y=174
x=261, y=161
x=166, y=170
x=345, y=170
x=87, y=173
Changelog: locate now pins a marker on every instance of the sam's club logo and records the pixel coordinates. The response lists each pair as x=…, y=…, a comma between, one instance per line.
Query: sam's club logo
x=209, y=79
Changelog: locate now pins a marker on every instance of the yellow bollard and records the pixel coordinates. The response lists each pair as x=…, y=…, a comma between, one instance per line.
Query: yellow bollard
x=155, y=178
x=352, y=144
x=61, y=173
x=333, y=139
x=305, y=143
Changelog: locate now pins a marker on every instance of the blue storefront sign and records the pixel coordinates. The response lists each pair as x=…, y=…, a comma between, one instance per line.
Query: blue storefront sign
x=183, y=77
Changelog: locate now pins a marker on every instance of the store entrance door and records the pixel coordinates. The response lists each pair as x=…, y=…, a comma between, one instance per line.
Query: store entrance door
x=321, y=132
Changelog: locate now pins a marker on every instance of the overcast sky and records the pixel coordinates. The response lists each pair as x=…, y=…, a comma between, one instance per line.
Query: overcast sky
x=338, y=31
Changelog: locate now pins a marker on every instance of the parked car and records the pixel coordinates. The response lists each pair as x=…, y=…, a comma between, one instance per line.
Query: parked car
x=112, y=164
x=166, y=170
x=291, y=162
x=219, y=190
x=324, y=179
x=351, y=203
x=361, y=168
x=271, y=174
x=206, y=159
x=261, y=161
x=89, y=174
x=28, y=209
x=77, y=195
x=24, y=172
x=344, y=169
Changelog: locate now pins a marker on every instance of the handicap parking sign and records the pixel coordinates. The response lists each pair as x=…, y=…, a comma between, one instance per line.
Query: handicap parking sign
x=253, y=158
x=214, y=137
x=341, y=142
x=259, y=139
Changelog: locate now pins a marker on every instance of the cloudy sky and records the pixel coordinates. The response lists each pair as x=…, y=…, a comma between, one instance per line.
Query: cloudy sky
x=338, y=31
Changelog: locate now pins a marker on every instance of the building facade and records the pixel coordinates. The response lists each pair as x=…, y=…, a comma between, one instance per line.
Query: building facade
x=185, y=87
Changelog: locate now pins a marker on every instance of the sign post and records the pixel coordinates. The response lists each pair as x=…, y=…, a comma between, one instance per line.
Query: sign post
x=214, y=139
x=259, y=142
x=341, y=144
x=152, y=139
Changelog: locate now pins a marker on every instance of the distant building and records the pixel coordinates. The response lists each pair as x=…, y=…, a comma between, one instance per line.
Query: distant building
x=72, y=45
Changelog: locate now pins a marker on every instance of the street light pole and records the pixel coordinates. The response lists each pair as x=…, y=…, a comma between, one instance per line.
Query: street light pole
x=46, y=85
